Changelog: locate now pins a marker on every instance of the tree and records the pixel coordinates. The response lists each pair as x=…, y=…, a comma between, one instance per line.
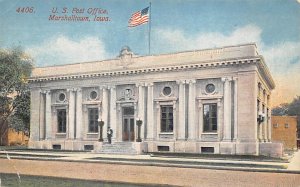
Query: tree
x=294, y=107
x=281, y=110
x=15, y=67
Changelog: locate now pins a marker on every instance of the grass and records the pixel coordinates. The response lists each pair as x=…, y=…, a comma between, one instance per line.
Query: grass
x=12, y=180
x=218, y=156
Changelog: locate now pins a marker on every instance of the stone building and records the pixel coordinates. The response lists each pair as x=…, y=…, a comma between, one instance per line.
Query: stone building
x=285, y=130
x=214, y=100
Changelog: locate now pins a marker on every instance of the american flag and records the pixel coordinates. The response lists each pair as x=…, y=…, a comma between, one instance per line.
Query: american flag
x=139, y=18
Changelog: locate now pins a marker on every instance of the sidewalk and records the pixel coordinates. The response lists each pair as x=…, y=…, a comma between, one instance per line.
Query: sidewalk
x=164, y=161
x=295, y=162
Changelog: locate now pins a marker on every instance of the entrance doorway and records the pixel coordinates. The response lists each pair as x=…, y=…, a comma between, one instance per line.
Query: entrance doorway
x=128, y=124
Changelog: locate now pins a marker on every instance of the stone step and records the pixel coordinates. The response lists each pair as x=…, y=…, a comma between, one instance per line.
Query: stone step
x=118, y=148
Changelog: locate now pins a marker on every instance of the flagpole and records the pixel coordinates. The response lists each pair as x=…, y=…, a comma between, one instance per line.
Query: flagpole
x=149, y=27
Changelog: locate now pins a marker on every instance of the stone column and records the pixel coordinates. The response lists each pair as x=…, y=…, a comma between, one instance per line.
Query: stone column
x=174, y=120
x=269, y=123
x=104, y=112
x=157, y=129
x=150, y=121
x=220, y=129
x=141, y=108
x=200, y=120
x=71, y=115
x=120, y=123
x=79, y=129
x=191, y=111
x=42, y=120
x=48, y=115
x=235, y=109
x=265, y=124
x=227, y=109
x=260, y=133
x=182, y=112
x=113, y=112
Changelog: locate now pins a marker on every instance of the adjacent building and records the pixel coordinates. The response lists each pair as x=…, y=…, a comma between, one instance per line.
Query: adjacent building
x=284, y=130
x=202, y=101
x=13, y=137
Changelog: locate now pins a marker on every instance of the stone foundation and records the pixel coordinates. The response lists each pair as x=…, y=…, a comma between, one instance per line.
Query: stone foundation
x=271, y=149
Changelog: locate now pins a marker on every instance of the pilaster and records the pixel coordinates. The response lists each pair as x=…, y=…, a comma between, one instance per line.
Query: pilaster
x=150, y=122
x=260, y=132
x=42, y=117
x=235, y=109
x=182, y=112
x=191, y=110
x=113, y=111
x=79, y=129
x=227, y=108
x=104, y=113
x=141, y=107
x=200, y=120
x=71, y=124
x=48, y=115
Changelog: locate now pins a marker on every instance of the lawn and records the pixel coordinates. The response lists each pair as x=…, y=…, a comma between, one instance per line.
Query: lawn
x=12, y=180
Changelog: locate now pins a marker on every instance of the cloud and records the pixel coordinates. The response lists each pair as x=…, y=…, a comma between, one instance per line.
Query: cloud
x=177, y=40
x=284, y=63
x=62, y=50
x=283, y=59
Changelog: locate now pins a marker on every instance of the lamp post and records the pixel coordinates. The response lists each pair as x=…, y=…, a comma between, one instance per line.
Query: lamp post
x=101, y=124
x=139, y=124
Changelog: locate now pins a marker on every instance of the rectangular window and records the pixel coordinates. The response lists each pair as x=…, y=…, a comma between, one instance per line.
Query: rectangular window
x=166, y=122
x=210, y=120
x=275, y=125
x=93, y=119
x=286, y=125
x=61, y=120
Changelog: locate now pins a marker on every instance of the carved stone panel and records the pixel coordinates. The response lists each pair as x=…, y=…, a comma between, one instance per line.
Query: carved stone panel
x=165, y=89
x=206, y=87
x=209, y=137
x=126, y=92
x=91, y=94
x=59, y=96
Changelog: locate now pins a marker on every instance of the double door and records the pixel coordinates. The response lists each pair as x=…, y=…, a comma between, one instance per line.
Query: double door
x=128, y=124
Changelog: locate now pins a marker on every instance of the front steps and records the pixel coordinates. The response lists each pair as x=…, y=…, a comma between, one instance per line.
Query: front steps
x=126, y=148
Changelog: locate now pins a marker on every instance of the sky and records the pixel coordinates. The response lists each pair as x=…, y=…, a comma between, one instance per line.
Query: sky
x=176, y=25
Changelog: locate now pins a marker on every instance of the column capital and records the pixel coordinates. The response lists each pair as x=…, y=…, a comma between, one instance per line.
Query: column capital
x=226, y=79
x=140, y=84
x=181, y=81
x=149, y=84
x=234, y=78
x=71, y=89
x=44, y=91
x=111, y=87
x=103, y=87
x=78, y=89
x=47, y=92
x=191, y=81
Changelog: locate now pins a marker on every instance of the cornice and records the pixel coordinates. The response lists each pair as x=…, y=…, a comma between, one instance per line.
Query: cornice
x=147, y=70
x=265, y=72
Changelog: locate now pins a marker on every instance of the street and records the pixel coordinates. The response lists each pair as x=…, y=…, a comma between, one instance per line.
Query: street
x=147, y=174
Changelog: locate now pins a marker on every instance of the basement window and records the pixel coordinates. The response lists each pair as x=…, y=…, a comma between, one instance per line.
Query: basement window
x=88, y=147
x=163, y=148
x=207, y=149
x=56, y=146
